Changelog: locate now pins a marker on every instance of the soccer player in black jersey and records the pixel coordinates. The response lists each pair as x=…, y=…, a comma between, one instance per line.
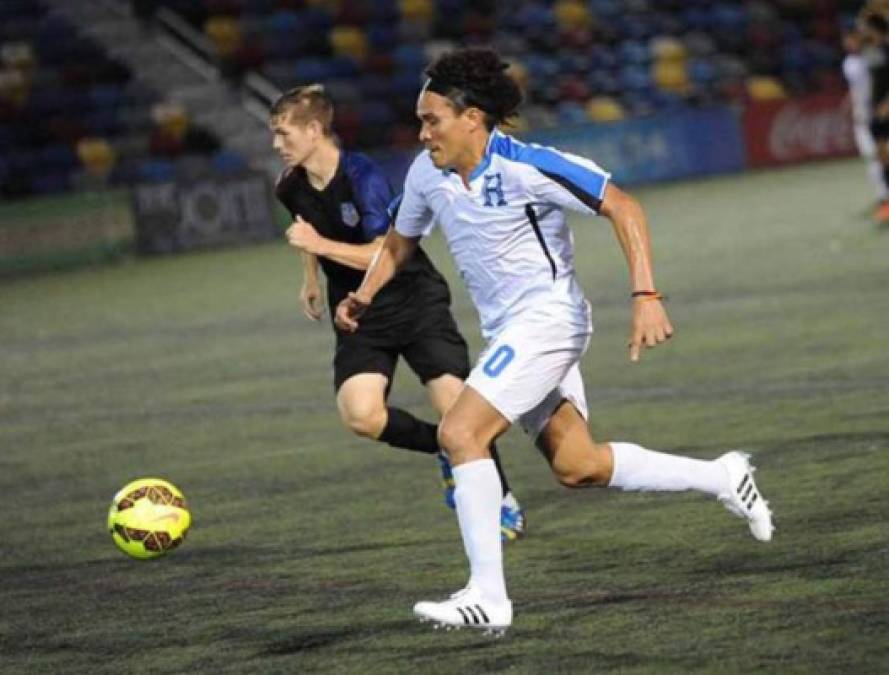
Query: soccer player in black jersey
x=339, y=201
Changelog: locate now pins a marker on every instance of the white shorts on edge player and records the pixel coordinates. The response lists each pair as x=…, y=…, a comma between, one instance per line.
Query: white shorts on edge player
x=532, y=365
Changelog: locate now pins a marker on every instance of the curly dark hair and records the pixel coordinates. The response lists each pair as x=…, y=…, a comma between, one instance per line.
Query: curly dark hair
x=476, y=77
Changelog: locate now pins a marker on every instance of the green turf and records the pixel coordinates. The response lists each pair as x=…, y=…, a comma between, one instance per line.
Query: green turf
x=310, y=546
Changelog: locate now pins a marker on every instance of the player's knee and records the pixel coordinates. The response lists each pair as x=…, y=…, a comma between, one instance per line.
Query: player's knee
x=451, y=436
x=366, y=422
x=458, y=440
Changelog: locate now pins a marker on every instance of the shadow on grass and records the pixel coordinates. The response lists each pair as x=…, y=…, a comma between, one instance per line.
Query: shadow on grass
x=307, y=639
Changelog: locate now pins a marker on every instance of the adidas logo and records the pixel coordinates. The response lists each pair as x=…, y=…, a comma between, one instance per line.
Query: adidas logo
x=473, y=614
x=750, y=495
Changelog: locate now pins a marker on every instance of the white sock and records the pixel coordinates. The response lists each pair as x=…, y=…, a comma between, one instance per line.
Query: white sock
x=478, y=494
x=509, y=501
x=878, y=178
x=638, y=469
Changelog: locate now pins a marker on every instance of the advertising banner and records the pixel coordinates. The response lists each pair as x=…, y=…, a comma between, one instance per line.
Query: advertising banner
x=216, y=211
x=666, y=147
x=798, y=130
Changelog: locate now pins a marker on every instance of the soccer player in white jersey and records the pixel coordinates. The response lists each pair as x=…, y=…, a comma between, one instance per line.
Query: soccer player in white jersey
x=501, y=205
x=856, y=70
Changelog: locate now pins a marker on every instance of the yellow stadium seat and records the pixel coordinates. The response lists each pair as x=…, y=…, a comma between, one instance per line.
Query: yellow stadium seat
x=765, y=88
x=14, y=86
x=572, y=15
x=417, y=10
x=671, y=76
x=667, y=48
x=349, y=41
x=171, y=118
x=97, y=156
x=225, y=33
x=605, y=109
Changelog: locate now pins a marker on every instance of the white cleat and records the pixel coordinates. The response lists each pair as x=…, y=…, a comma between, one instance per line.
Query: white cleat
x=467, y=609
x=743, y=497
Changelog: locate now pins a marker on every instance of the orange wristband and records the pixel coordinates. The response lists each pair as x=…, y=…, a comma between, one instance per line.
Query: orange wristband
x=648, y=295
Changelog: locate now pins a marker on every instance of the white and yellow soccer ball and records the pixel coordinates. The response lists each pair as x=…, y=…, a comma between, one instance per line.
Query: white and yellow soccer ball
x=148, y=518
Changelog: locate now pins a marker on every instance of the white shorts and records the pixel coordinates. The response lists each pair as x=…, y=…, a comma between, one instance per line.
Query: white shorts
x=530, y=367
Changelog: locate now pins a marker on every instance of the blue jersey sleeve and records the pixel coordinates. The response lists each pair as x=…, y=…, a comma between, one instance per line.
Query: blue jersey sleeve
x=565, y=179
x=372, y=194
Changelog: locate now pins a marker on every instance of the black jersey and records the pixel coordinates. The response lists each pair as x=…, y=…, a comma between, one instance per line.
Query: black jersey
x=353, y=209
x=880, y=77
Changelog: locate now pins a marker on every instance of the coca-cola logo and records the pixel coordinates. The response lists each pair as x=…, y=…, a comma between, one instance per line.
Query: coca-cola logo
x=799, y=131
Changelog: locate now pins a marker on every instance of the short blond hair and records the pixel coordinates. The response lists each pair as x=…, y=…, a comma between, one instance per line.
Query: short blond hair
x=304, y=104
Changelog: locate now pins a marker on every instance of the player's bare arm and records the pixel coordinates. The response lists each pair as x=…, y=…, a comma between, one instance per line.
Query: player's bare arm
x=394, y=252
x=303, y=236
x=650, y=325
x=310, y=296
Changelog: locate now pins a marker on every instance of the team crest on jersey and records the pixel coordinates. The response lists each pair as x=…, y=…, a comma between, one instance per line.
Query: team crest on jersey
x=493, y=190
x=350, y=214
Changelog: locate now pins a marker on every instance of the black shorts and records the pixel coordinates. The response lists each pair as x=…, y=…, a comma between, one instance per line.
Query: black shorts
x=879, y=128
x=431, y=345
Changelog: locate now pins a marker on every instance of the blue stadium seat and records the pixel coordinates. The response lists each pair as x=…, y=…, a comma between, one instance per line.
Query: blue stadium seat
x=51, y=182
x=156, y=171
x=571, y=113
x=59, y=157
x=634, y=52
x=381, y=36
x=106, y=96
x=228, y=162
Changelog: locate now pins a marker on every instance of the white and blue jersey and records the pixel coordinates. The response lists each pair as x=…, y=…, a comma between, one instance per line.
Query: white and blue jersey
x=507, y=232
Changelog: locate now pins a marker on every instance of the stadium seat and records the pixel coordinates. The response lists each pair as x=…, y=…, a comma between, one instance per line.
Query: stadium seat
x=225, y=32
x=97, y=156
x=156, y=171
x=226, y=162
x=571, y=113
x=607, y=58
x=604, y=109
x=571, y=15
x=349, y=41
x=671, y=76
x=417, y=10
x=765, y=88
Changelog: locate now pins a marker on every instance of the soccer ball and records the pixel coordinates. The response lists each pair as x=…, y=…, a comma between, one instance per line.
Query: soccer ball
x=148, y=517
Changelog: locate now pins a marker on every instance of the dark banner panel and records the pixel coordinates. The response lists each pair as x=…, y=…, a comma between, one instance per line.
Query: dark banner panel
x=798, y=130
x=217, y=211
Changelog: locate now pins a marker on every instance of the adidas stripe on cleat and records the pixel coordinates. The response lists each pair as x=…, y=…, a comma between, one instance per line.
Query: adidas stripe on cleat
x=467, y=609
x=743, y=498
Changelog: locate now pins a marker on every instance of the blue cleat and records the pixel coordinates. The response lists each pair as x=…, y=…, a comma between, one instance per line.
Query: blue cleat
x=512, y=519
x=447, y=480
x=512, y=516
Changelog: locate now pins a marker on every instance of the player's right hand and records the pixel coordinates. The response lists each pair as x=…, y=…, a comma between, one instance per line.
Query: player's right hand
x=311, y=300
x=349, y=311
x=649, y=327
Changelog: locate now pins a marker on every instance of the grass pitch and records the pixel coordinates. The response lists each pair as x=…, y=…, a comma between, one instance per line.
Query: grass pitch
x=310, y=546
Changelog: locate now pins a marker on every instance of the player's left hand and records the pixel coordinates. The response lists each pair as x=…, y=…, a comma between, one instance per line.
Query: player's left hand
x=303, y=236
x=650, y=326
x=311, y=300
